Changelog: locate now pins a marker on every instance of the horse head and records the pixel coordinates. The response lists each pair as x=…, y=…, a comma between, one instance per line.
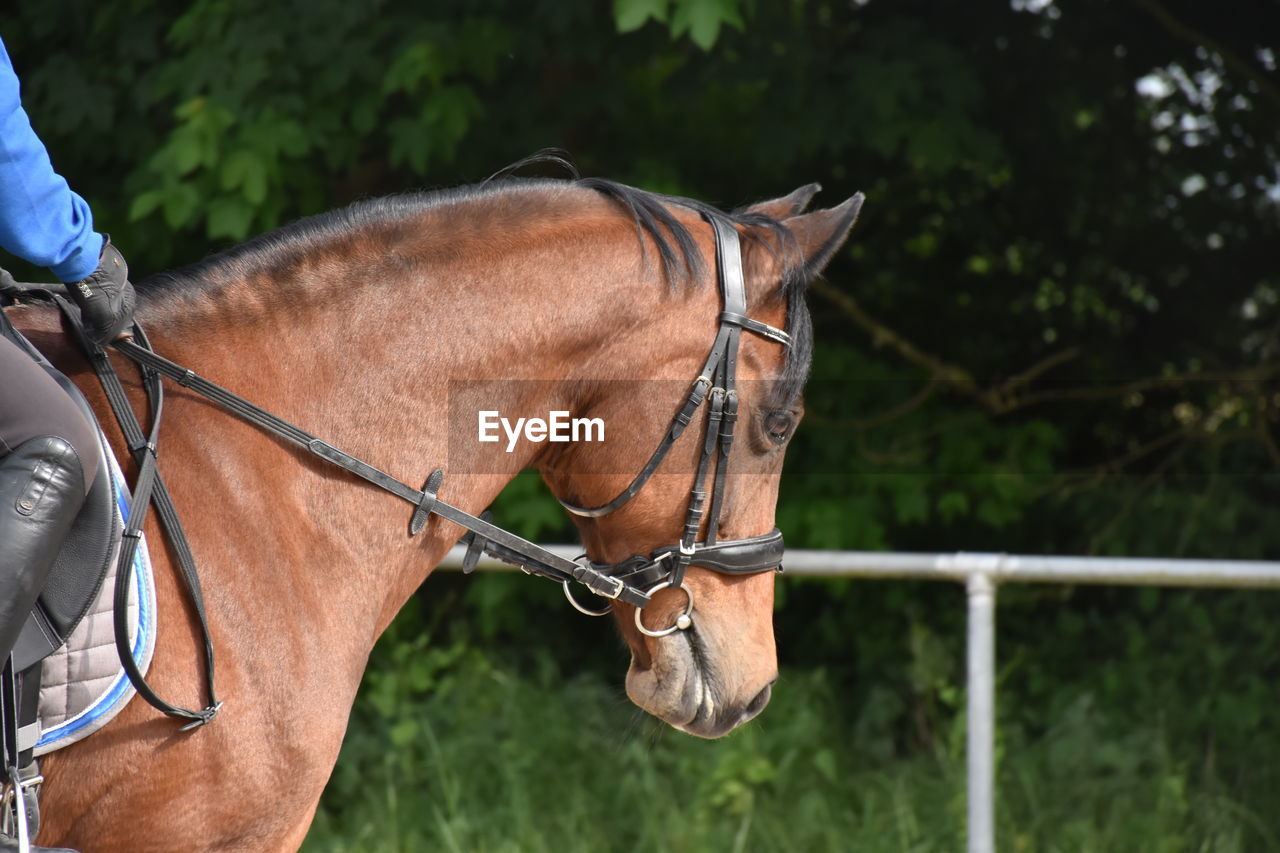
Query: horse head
x=718, y=672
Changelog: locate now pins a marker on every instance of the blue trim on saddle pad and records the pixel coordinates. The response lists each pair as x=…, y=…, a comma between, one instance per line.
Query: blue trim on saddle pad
x=121, y=690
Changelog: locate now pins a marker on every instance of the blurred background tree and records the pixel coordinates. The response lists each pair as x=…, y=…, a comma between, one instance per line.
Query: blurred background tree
x=1055, y=330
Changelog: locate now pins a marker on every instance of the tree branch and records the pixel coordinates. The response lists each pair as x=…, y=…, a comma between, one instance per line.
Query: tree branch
x=906, y=407
x=1026, y=377
x=1117, y=464
x=996, y=399
x=1258, y=374
x=1134, y=495
x=882, y=335
x=1268, y=441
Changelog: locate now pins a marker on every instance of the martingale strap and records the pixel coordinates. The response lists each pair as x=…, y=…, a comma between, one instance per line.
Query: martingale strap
x=148, y=489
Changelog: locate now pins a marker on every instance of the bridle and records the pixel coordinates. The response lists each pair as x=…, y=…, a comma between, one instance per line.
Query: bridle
x=716, y=385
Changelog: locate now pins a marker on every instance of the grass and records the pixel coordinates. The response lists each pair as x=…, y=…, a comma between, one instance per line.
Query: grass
x=448, y=751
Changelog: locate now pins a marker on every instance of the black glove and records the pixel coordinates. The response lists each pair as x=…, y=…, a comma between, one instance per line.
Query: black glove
x=105, y=297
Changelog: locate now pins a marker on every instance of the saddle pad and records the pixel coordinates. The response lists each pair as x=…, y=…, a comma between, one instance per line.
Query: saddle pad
x=83, y=685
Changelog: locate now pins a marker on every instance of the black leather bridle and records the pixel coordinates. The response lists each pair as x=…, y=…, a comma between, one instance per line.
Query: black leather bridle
x=715, y=385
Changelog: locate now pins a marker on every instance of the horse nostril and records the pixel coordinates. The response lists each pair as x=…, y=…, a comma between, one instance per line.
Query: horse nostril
x=756, y=705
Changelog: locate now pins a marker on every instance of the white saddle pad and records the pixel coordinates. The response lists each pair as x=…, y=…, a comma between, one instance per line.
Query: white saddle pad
x=83, y=684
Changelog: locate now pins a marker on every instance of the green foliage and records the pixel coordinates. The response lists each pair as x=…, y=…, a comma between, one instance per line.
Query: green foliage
x=1054, y=331
x=700, y=19
x=449, y=750
x=242, y=105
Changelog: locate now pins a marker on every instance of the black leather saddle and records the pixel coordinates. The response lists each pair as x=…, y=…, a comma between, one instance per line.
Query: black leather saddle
x=87, y=554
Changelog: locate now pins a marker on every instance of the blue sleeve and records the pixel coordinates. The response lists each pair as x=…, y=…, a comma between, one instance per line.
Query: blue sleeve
x=41, y=219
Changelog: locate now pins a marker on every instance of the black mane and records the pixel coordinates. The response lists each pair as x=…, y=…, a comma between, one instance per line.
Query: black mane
x=681, y=261
x=650, y=213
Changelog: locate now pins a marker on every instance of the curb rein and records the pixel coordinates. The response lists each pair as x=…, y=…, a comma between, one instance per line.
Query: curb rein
x=634, y=580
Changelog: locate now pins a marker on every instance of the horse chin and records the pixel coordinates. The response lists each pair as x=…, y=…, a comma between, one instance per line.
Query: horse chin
x=681, y=688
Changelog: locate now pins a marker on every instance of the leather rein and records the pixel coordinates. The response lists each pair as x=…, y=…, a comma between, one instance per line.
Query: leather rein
x=634, y=580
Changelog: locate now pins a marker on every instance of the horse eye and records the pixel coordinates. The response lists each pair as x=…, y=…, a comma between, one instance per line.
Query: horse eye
x=778, y=425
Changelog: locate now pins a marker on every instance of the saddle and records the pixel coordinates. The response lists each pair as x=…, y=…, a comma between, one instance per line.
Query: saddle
x=86, y=555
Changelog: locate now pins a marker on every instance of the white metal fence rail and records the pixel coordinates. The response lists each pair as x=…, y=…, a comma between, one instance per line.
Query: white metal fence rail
x=982, y=574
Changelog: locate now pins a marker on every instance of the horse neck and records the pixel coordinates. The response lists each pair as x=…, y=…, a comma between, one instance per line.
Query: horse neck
x=362, y=355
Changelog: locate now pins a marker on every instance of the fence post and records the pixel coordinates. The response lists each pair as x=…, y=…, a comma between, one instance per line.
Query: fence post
x=981, y=692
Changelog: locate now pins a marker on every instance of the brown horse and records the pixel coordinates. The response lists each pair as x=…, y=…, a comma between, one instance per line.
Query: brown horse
x=353, y=324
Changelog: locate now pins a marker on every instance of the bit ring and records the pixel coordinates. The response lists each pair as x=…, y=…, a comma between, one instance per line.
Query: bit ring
x=568, y=593
x=683, y=621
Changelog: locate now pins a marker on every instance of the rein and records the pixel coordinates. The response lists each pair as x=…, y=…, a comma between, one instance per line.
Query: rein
x=532, y=557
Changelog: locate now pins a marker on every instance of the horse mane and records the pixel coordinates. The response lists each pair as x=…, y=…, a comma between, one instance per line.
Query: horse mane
x=682, y=262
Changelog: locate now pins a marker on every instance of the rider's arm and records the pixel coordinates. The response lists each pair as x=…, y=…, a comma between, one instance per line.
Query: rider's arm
x=41, y=219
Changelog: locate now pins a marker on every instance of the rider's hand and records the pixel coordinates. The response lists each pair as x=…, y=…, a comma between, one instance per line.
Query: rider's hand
x=106, y=297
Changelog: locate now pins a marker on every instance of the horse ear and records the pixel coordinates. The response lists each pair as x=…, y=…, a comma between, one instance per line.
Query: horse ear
x=788, y=205
x=819, y=235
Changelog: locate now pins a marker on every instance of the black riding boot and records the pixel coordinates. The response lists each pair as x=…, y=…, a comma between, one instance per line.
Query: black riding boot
x=41, y=490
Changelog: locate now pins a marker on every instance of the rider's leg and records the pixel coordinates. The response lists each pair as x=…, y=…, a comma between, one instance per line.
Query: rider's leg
x=48, y=458
x=47, y=462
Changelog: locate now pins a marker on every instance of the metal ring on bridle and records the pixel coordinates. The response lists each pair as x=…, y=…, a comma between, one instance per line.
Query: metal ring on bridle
x=683, y=621
x=568, y=593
